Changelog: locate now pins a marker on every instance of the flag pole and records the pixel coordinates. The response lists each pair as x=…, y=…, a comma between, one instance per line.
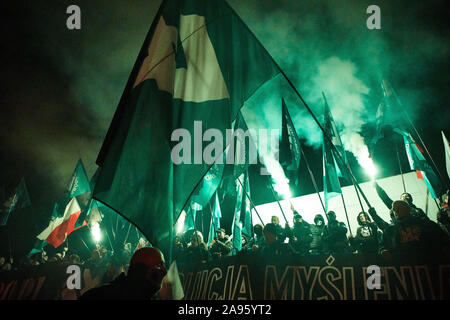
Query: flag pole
x=276, y=198
x=211, y=222
x=128, y=232
x=346, y=214
x=417, y=132
x=400, y=167
x=313, y=179
x=109, y=239
x=81, y=238
x=251, y=202
x=301, y=99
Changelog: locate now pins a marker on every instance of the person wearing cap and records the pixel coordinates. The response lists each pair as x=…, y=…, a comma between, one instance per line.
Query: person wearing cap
x=221, y=245
x=412, y=236
x=143, y=280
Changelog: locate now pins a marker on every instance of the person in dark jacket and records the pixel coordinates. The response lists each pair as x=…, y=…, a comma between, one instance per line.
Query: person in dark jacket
x=335, y=235
x=300, y=236
x=273, y=246
x=143, y=280
x=367, y=236
x=257, y=241
x=317, y=244
x=221, y=246
x=281, y=233
x=197, y=249
x=412, y=236
x=415, y=212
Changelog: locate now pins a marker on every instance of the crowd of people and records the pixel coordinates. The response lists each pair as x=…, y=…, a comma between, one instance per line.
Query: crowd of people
x=409, y=233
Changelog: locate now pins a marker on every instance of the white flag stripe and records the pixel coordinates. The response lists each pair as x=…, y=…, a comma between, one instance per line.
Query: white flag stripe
x=71, y=208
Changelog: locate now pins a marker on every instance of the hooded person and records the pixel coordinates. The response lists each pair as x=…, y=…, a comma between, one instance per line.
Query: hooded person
x=257, y=241
x=367, y=236
x=414, y=237
x=335, y=235
x=142, y=282
x=300, y=236
x=317, y=244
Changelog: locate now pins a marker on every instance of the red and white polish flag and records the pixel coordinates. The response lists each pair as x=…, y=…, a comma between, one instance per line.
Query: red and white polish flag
x=59, y=228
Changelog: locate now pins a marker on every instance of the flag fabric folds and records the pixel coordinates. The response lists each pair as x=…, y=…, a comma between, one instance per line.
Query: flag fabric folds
x=80, y=182
x=290, y=152
x=199, y=62
x=236, y=226
x=447, y=153
x=61, y=226
x=38, y=248
x=19, y=200
x=331, y=185
x=246, y=213
x=216, y=215
x=418, y=162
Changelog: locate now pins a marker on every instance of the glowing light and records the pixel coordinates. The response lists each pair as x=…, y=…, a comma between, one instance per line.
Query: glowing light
x=180, y=222
x=368, y=165
x=281, y=183
x=96, y=233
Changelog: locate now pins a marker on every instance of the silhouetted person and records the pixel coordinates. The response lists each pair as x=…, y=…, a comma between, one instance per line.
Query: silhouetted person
x=281, y=234
x=197, y=249
x=257, y=242
x=335, y=235
x=273, y=246
x=413, y=236
x=143, y=280
x=415, y=212
x=300, y=236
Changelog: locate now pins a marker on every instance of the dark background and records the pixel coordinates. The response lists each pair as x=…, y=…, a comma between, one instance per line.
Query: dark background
x=60, y=87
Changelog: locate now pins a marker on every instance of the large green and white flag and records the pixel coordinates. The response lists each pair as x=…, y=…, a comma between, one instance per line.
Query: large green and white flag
x=198, y=65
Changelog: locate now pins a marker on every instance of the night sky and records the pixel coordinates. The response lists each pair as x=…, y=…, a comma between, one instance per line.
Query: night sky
x=60, y=87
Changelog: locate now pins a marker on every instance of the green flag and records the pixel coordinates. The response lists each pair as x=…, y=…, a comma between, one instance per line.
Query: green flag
x=290, y=152
x=246, y=213
x=80, y=183
x=200, y=63
x=236, y=226
x=418, y=162
x=18, y=200
x=331, y=186
x=216, y=215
